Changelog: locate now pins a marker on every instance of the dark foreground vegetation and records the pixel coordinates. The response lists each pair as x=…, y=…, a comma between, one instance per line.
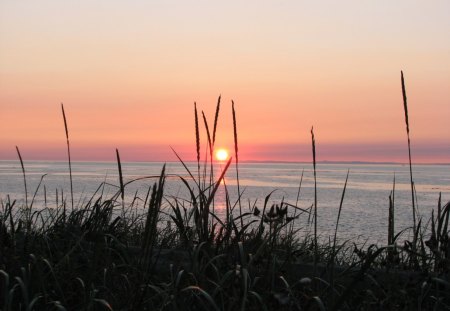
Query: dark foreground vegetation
x=177, y=254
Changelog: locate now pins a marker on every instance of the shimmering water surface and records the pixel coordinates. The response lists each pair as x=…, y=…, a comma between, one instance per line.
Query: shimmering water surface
x=365, y=208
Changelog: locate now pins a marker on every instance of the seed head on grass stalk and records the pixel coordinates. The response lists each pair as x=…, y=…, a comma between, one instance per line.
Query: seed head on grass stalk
x=197, y=140
x=405, y=106
x=68, y=154
x=24, y=177
x=236, y=153
x=216, y=119
x=211, y=146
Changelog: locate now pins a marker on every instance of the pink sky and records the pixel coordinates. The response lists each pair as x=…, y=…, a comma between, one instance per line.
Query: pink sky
x=128, y=74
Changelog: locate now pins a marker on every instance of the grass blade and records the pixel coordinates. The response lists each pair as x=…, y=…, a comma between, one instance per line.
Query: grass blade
x=122, y=188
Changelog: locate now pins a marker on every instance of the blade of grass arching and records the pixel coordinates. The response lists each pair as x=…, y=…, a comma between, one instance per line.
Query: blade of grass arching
x=405, y=106
x=315, y=199
x=122, y=188
x=236, y=153
x=24, y=177
x=68, y=154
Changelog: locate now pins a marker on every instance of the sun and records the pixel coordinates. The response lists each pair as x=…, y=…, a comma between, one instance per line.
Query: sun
x=222, y=154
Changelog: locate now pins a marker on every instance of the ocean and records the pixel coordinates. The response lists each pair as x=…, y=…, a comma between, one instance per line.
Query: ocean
x=364, y=216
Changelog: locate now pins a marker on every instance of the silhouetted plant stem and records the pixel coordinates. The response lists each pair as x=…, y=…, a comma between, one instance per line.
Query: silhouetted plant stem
x=391, y=220
x=315, y=199
x=197, y=140
x=24, y=177
x=211, y=145
x=405, y=106
x=333, y=253
x=68, y=154
x=298, y=197
x=210, y=150
x=237, y=161
x=122, y=188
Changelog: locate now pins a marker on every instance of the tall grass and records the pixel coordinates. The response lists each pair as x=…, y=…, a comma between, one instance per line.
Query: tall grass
x=197, y=139
x=236, y=155
x=122, y=188
x=313, y=141
x=24, y=176
x=405, y=106
x=68, y=155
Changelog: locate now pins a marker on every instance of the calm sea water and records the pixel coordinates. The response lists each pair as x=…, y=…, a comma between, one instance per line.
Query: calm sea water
x=365, y=208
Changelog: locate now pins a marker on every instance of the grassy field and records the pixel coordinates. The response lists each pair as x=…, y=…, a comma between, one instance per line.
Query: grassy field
x=177, y=254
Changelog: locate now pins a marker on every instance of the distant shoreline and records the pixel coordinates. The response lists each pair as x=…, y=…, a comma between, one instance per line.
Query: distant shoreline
x=242, y=162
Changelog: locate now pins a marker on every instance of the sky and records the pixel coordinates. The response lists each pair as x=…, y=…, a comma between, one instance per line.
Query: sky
x=129, y=72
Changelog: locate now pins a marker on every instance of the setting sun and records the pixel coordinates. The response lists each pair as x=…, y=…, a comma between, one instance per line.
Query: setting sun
x=221, y=154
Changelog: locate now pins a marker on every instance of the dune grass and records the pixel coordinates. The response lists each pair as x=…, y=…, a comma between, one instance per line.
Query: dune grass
x=178, y=254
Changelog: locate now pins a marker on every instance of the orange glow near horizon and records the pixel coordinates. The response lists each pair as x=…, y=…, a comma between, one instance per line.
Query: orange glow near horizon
x=128, y=74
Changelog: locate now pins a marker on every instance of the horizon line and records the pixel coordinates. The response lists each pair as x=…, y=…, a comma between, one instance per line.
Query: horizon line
x=244, y=161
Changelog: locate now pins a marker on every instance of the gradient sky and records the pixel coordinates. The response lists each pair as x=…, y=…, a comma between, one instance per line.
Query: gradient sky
x=128, y=73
